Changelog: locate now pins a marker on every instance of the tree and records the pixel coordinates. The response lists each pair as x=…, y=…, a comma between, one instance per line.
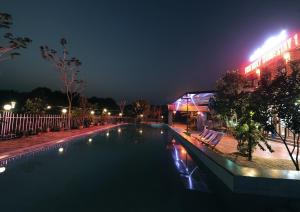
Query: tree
x=141, y=107
x=250, y=135
x=229, y=99
x=35, y=105
x=7, y=51
x=68, y=69
x=122, y=105
x=278, y=101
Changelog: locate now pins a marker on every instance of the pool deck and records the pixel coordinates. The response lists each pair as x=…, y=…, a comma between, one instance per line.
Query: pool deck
x=238, y=178
x=11, y=148
x=279, y=159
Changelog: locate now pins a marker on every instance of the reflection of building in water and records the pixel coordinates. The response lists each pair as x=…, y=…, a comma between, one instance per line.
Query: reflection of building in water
x=188, y=170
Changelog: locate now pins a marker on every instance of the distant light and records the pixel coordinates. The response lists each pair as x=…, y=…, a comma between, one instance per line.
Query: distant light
x=104, y=110
x=287, y=56
x=268, y=45
x=13, y=104
x=141, y=115
x=90, y=140
x=2, y=169
x=120, y=114
x=7, y=107
x=109, y=113
x=64, y=111
x=141, y=131
x=119, y=130
x=107, y=134
x=161, y=132
x=48, y=107
x=92, y=112
x=60, y=150
x=257, y=72
x=162, y=117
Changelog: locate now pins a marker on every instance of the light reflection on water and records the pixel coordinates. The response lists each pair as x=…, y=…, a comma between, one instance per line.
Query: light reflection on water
x=192, y=177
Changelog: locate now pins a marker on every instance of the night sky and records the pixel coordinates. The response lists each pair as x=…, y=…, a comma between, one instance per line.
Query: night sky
x=154, y=50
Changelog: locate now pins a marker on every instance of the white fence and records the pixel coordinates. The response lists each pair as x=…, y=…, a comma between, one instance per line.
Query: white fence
x=11, y=124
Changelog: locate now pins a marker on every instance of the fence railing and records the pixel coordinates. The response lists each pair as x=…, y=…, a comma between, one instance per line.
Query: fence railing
x=14, y=125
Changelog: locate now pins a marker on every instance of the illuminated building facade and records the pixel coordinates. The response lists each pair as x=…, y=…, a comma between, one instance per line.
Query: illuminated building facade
x=193, y=105
x=273, y=57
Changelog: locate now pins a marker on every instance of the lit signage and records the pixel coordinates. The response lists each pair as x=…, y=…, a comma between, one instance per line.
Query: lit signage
x=274, y=46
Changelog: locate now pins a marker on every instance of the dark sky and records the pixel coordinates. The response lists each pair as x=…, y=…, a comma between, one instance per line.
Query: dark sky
x=148, y=49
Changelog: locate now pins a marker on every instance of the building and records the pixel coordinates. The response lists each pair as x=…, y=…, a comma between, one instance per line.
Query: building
x=273, y=57
x=192, y=105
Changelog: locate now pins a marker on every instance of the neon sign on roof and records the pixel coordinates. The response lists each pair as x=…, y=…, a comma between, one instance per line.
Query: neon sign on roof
x=278, y=45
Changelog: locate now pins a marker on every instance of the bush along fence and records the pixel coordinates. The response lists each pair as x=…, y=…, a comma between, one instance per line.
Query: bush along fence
x=17, y=125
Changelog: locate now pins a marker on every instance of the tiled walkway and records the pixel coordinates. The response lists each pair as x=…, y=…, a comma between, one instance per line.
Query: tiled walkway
x=228, y=146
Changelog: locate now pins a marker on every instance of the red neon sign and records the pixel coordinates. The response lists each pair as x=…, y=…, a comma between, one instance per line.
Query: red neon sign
x=278, y=50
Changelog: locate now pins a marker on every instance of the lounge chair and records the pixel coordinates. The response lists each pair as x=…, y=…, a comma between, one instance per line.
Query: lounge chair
x=214, y=142
x=206, y=135
x=204, y=132
x=210, y=138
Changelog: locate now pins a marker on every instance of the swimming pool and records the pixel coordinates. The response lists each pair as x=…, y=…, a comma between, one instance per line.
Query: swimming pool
x=128, y=168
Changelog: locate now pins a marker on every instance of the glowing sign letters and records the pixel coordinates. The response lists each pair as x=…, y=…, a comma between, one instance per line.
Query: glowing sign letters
x=274, y=46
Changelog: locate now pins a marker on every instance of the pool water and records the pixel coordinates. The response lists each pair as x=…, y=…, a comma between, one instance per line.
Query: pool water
x=130, y=168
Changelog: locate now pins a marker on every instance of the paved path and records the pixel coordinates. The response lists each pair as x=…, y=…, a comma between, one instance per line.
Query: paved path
x=279, y=159
x=13, y=147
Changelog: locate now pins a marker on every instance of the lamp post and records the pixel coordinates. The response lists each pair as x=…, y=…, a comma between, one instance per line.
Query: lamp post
x=187, y=98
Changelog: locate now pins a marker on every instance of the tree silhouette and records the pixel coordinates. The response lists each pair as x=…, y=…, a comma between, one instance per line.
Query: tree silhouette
x=68, y=69
x=8, y=51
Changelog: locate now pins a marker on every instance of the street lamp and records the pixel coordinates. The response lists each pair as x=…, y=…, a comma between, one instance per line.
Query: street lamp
x=7, y=107
x=13, y=104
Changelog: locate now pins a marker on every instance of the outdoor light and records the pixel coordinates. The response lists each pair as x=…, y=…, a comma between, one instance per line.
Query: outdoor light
x=109, y=113
x=198, y=113
x=107, y=134
x=141, y=131
x=162, y=117
x=2, y=169
x=119, y=130
x=13, y=104
x=64, y=111
x=90, y=140
x=183, y=151
x=268, y=45
x=161, y=132
x=92, y=112
x=48, y=107
x=287, y=56
x=60, y=150
x=104, y=110
x=174, y=112
x=7, y=107
x=120, y=114
x=141, y=115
